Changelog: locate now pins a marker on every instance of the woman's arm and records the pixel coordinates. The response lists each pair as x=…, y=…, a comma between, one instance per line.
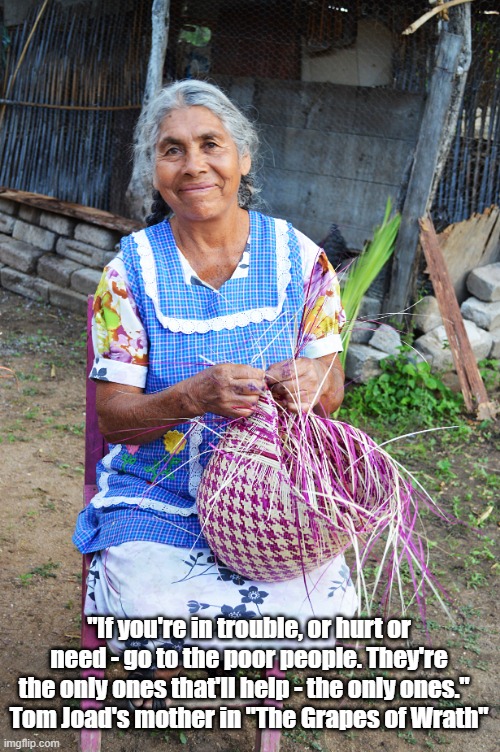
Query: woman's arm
x=127, y=415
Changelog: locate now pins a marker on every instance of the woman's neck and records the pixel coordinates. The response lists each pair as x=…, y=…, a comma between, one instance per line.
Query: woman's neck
x=213, y=248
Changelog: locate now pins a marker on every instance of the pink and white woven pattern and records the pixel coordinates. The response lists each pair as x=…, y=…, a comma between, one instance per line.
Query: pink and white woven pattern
x=254, y=515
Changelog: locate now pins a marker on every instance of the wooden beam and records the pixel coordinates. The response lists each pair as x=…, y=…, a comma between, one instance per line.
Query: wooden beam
x=446, y=87
x=471, y=383
x=85, y=213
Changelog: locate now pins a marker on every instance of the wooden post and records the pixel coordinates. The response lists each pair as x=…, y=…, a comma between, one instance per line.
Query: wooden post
x=471, y=383
x=445, y=90
x=137, y=196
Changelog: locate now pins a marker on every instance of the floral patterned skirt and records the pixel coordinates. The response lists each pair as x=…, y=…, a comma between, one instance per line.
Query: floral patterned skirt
x=144, y=580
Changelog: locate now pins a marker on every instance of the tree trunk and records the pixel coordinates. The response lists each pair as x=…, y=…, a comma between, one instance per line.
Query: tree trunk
x=138, y=192
x=436, y=133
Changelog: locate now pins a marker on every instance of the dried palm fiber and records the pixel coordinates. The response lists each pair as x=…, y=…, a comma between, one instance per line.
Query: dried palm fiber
x=284, y=493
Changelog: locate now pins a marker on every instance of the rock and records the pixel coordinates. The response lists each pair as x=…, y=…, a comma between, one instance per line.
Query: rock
x=495, y=345
x=387, y=339
x=365, y=324
x=426, y=314
x=484, y=282
x=363, y=363
x=437, y=352
x=485, y=315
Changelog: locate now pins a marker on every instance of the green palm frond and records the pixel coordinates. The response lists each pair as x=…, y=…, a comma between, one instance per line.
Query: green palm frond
x=363, y=272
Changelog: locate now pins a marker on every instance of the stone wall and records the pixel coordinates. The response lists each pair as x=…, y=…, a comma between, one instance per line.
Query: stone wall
x=52, y=258
x=371, y=342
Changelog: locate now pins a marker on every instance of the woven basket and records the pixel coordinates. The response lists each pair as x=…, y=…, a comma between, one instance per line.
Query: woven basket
x=257, y=518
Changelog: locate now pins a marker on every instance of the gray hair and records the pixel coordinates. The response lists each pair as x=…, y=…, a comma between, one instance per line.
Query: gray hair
x=194, y=93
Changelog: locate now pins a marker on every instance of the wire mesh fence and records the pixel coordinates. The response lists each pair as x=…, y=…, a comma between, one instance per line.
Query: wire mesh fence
x=336, y=90
x=72, y=89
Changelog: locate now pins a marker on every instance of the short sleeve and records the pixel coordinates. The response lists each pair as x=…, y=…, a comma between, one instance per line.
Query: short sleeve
x=323, y=316
x=118, y=335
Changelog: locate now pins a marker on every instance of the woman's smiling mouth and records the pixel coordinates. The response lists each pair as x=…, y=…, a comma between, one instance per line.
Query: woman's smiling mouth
x=193, y=187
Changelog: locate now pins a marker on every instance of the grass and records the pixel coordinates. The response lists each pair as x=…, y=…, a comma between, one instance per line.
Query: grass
x=44, y=571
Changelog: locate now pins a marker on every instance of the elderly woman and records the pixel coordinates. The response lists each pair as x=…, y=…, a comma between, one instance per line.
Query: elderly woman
x=194, y=319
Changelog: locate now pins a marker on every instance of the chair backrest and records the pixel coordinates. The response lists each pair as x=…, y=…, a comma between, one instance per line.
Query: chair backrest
x=95, y=448
x=95, y=444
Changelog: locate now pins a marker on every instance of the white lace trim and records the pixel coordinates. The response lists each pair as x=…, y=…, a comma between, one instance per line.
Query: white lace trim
x=242, y=318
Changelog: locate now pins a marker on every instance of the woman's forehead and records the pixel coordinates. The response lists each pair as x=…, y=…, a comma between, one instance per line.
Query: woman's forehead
x=189, y=122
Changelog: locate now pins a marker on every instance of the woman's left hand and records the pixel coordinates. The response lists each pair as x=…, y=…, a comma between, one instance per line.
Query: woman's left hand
x=306, y=383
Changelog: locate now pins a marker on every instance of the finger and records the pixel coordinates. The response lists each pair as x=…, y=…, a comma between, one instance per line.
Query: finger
x=246, y=372
x=246, y=387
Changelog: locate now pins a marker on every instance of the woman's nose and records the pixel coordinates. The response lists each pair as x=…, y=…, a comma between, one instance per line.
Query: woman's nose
x=195, y=161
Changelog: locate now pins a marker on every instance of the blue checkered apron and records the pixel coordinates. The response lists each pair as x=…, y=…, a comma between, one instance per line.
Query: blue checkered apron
x=150, y=495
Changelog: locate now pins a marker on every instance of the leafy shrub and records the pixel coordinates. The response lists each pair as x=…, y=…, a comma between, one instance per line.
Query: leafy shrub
x=405, y=394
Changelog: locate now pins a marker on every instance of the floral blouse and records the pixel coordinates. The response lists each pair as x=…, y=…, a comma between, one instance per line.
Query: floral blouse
x=120, y=338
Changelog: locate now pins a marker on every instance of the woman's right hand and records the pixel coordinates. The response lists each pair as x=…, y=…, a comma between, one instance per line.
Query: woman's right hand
x=228, y=389
x=127, y=415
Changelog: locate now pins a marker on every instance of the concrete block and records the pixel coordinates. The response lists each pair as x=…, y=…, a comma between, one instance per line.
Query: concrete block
x=85, y=281
x=101, y=258
x=37, y=236
x=57, y=270
x=29, y=214
x=97, y=236
x=484, y=282
x=76, y=251
x=387, y=339
x=22, y=284
x=426, y=314
x=363, y=363
x=57, y=223
x=19, y=255
x=7, y=206
x=83, y=253
x=6, y=223
x=435, y=348
x=67, y=299
x=485, y=315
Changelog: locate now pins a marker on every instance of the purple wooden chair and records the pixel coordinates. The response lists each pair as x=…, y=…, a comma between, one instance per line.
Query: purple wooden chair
x=266, y=740
x=95, y=448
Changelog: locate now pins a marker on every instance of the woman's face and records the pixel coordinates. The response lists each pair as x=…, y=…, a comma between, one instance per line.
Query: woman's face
x=198, y=168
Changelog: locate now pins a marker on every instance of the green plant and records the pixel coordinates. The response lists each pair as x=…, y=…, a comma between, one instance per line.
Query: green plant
x=363, y=272
x=489, y=368
x=45, y=570
x=405, y=394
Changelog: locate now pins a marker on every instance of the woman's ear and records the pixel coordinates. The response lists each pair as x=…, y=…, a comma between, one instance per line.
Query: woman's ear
x=245, y=164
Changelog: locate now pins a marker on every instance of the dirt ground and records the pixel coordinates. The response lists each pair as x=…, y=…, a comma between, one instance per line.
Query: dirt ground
x=42, y=417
